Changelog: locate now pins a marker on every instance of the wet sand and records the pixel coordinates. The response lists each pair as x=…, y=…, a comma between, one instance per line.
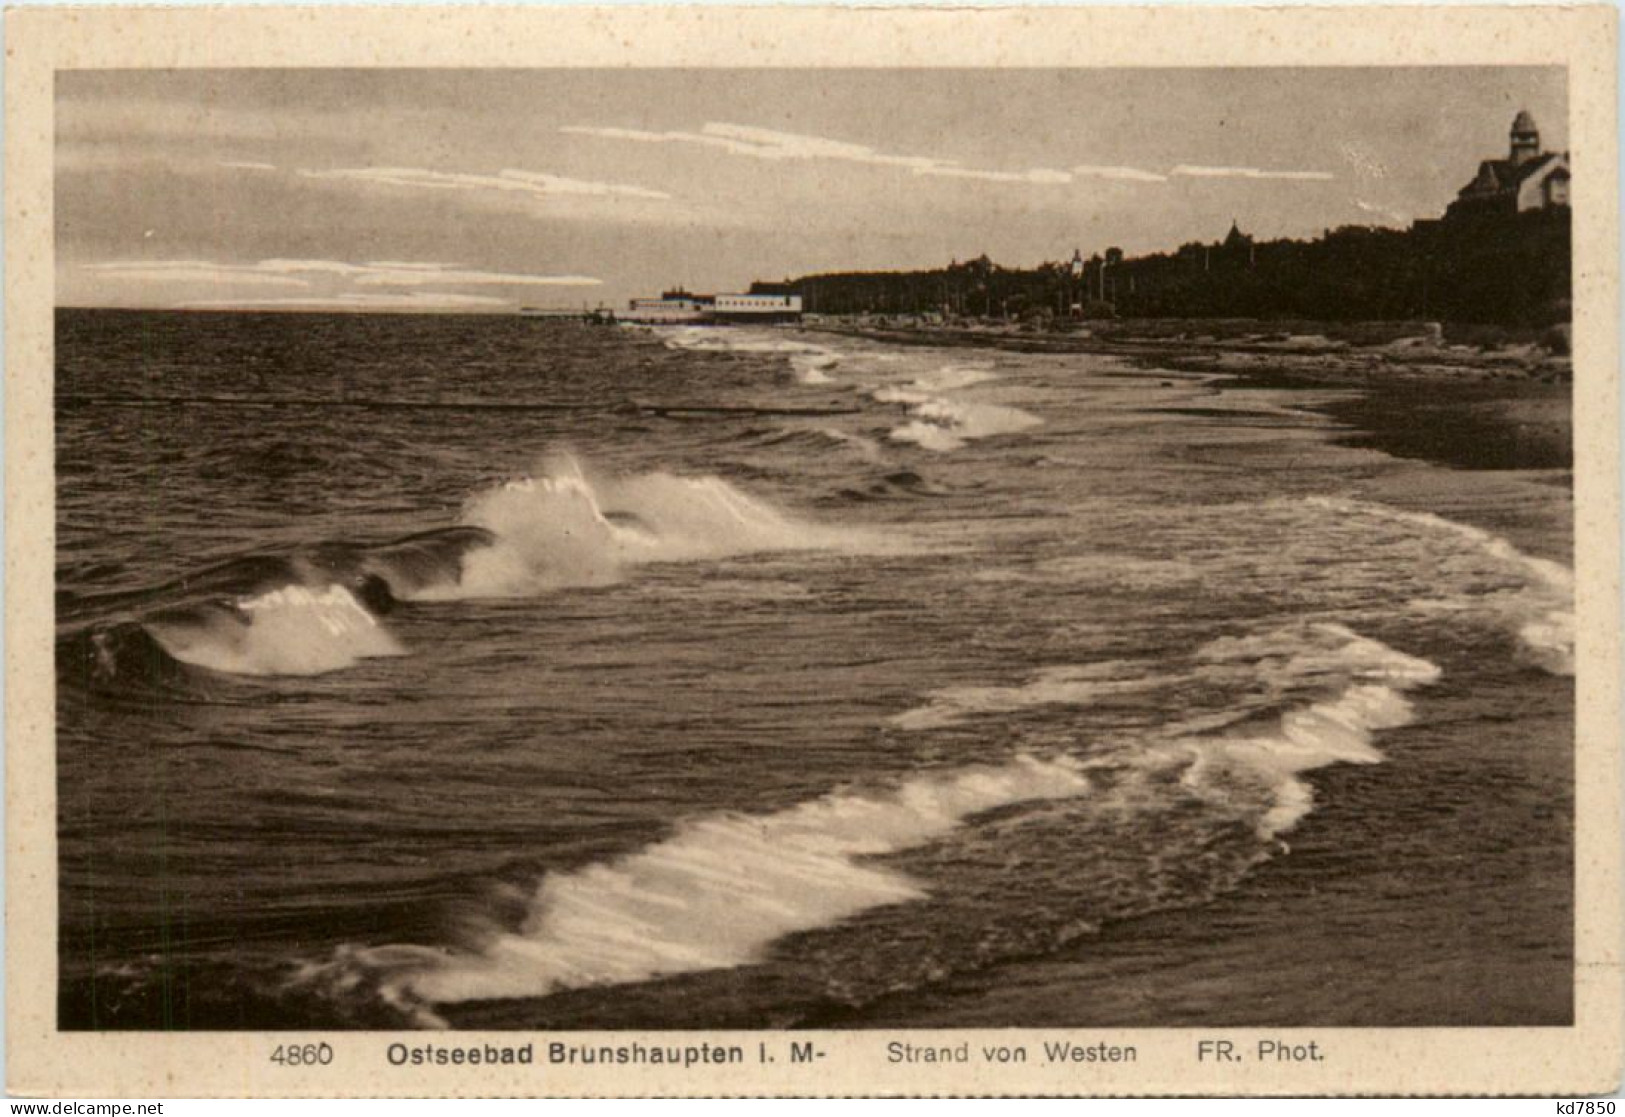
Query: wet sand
x=1493, y=424
x=1457, y=405
x=1529, y=427
x=1488, y=935
x=1486, y=940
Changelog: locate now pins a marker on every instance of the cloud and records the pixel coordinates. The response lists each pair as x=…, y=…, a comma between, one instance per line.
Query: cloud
x=415, y=300
x=765, y=143
x=413, y=276
x=508, y=182
x=245, y=165
x=399, y=273
x=1127, y=174
x=636, y=135
x=408, y=273
x=278, y=266
x=1187, y=170
x=190, y=271
x=335, y=283
x=1039, y=176
x=770, y=144
x=554, y=184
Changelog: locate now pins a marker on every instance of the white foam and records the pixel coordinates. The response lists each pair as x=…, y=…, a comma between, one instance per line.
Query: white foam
x=1541, y=615
x=290, y=631
x=811, y=364
x=943, y=425
x=1054, y=686
x=733, y=339
x=1549, y=641
x=814, y=368
x=946, y=423
x=928, y=436
x=1374, y=679
x=951, y=377
x=895, y=394
x=1368, y=678
x=565, y=528
x=1297, y=654
x=723, y=887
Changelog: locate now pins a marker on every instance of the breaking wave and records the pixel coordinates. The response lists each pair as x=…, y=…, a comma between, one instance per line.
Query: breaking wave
x=289, y=631
x=949, y=377
x=321, y=610
x=1371, y=678
x=733, y=339
x=814, y=368
x=942, y=425
x=1053, y=686
x=811, y=364
x=723, y=888
x=562, y=528
x=305, y=613
x=1540, y=612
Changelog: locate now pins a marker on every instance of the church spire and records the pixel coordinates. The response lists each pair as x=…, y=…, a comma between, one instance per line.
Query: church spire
x=1525, y=137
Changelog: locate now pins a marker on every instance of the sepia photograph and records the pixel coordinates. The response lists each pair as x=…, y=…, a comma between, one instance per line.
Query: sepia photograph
x=617, y=558
x=732, y=550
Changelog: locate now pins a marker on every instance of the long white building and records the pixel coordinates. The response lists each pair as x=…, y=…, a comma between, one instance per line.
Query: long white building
x=672, y=307
x=680, y=306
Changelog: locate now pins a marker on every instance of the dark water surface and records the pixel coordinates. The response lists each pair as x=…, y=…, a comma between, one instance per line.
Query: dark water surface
x=503, y=673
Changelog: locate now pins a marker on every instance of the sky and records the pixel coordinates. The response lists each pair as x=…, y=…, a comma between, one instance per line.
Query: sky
x=485, y=190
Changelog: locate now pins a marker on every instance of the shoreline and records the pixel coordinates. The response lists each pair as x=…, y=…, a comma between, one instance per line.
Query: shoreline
x=1412, y=343
x=1468, y=412
x=1457, y=405
x=1328, y=352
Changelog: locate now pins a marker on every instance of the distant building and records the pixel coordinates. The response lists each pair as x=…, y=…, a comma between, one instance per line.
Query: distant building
x=671, y=307
x=680, y=306
x=756, y=308
x=1527, y=179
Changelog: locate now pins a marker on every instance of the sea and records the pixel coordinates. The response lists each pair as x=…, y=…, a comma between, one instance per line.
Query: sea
x=493, y=672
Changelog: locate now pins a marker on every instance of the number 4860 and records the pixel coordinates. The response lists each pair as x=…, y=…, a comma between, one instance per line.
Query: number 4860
x=303, y=1055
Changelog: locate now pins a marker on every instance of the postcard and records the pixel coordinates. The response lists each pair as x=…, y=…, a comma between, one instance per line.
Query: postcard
x=812, y=551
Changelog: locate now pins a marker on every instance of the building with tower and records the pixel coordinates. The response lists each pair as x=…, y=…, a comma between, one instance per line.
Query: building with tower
x=1527, y=179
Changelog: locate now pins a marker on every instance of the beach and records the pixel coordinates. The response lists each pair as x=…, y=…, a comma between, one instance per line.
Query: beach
x=1413, y=393
x=510, y=674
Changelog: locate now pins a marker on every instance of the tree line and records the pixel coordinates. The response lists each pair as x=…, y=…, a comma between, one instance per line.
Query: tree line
x=1504, y=269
